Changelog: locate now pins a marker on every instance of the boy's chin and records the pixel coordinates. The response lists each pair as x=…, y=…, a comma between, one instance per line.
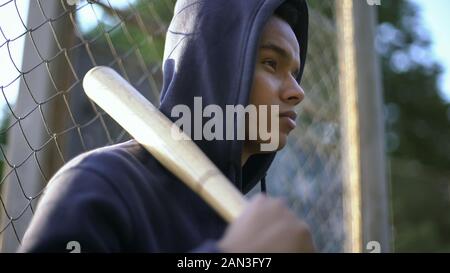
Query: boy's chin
x=282, y=141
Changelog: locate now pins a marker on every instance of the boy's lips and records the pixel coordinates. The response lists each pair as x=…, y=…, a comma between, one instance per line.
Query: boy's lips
x=290, y=116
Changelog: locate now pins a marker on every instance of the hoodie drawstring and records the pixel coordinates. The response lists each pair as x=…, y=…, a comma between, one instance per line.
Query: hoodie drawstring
x=263, y=184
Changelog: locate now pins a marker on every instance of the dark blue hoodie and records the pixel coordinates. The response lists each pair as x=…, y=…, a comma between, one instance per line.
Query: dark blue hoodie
x=120, y=198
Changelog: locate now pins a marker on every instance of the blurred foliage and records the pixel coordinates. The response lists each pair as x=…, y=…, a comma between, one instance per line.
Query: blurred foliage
x=417, y=131
x=322, y=8
x=146, y=23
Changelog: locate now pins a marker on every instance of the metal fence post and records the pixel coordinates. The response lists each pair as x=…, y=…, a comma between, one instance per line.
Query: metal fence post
x=365, y=190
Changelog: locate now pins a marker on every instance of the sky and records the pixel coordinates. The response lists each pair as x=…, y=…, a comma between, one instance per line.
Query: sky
x=11, y=27
x=434, y=13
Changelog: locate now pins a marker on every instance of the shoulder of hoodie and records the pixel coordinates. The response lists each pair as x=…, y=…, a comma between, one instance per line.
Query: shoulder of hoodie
x=119, y=166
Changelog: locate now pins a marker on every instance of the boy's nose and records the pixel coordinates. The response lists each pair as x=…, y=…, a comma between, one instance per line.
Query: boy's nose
x=293, y=93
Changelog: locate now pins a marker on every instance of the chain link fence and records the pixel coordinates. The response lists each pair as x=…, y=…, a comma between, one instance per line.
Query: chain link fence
x=50, y=120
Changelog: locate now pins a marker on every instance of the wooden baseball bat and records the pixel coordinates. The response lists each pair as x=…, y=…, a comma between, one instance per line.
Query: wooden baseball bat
x=153, y=130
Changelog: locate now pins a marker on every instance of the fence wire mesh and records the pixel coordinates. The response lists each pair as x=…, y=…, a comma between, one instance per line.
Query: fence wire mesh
x=50, y=120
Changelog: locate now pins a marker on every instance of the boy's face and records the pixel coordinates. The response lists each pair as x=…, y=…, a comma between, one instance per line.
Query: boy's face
x=274, y=81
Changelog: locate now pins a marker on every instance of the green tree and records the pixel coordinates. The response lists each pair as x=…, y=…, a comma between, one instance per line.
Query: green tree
x=418, y=131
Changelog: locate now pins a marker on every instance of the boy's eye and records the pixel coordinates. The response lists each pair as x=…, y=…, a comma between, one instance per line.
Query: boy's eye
x=271, y=63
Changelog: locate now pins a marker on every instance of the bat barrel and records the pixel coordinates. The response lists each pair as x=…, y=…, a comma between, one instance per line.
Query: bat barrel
x=153, y=130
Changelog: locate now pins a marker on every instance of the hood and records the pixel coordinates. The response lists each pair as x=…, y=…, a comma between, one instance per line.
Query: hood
x=210, y=52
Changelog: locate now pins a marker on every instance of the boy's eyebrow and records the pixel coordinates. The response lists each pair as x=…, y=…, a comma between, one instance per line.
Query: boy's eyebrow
x=278, y=49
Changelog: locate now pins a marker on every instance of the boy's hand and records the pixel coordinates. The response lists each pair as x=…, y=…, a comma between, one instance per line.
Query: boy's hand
x=267, y=225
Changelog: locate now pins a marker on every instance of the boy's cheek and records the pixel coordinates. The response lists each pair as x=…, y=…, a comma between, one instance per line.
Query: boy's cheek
x=263, y=89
